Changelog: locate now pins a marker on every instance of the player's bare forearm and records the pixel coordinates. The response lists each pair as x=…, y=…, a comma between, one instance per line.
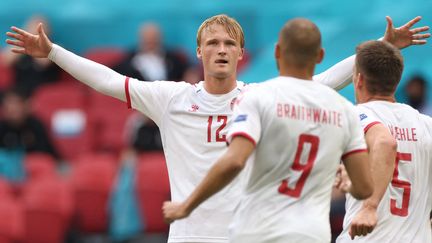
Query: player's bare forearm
x=358, y=169
x=219, y=176
x=382, y=154
x=222, y=173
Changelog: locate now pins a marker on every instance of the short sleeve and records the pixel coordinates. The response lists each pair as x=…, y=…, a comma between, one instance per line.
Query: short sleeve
x=151, y=98
x=356, y=142
x=367, y=119
x=246, y=118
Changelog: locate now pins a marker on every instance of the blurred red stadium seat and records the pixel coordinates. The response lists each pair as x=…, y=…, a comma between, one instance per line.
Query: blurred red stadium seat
x=154, y=156
x=109, y=116
x=39, y=165
x=11, y=220
x=7, y=76
x=92, y=180
x=108, y=56
x=6, y=190
x=48, y=205
x=70, y=100
x=153, y=190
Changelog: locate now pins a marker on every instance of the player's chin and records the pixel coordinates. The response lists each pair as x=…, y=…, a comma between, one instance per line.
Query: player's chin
x=221, y=74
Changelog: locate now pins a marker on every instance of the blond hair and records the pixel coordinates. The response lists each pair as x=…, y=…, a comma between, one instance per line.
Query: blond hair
x=231, y=25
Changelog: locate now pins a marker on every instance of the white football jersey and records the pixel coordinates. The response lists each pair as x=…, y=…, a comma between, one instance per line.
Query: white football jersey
x=301, y=130
x=403, y=213
x=193, y=126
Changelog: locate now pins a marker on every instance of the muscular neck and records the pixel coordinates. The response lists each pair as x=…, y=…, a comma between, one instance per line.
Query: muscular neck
x=219, y=86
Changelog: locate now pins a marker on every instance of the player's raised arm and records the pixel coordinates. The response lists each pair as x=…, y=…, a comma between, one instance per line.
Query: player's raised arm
x=339, y=75
x=95, y=75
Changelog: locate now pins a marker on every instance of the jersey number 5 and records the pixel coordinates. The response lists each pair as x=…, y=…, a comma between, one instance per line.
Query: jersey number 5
x=305, y=167
x=222, y=120
x=404, y=185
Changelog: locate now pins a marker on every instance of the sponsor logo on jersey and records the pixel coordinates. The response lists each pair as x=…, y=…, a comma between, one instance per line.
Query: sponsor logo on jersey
x=240, y=118
x=362, y=117
x=194, y=108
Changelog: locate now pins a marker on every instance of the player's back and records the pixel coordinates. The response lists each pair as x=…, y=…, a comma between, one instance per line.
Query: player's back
x=305, y=129
x=403, y=213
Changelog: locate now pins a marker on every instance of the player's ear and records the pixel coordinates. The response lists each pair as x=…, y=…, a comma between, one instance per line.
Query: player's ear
x=359, y=80
x=320, y=55
x=198, y=53
x=277, y=52
x=241, y=54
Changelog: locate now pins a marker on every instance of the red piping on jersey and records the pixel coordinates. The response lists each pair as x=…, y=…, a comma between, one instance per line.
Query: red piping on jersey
x=370, y=125
x=128, y=100
x=245, y=135
x=353, y=152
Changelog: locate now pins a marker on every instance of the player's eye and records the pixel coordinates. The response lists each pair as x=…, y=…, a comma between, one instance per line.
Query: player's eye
x=230, y=43
x=212, y=43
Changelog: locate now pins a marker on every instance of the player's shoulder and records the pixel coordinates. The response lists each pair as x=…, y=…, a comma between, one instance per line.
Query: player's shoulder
x=248, y=87
x=160, y=83
x=335, y=96
x=253, y=94
x=182, y=87
x=266, y=85
x=174, y=89
x=427, y=120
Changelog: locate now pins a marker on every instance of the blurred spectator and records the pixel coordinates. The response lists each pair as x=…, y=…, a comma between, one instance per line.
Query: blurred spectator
x=19, y=129
x=416, y=91
x=152, y=61
x=142, y=134
x=337, y=213
x=31, y=72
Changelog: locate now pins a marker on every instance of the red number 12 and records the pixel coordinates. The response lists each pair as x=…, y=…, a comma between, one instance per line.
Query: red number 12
x=219, y=138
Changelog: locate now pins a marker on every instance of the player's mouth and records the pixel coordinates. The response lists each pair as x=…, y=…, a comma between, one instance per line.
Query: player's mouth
x=221, y=61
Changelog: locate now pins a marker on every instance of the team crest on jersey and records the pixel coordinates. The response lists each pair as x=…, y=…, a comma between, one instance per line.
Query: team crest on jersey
x=363, y=116
x=194, y=108
x=240, y=118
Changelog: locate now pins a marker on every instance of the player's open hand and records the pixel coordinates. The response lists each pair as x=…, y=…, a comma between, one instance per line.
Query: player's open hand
x=24, y=42
x=342, y=181
x=173, y=211
x=405, y=35
x=364, y=222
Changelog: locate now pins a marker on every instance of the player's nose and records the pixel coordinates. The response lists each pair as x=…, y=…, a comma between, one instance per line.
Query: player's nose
x=222, y=49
